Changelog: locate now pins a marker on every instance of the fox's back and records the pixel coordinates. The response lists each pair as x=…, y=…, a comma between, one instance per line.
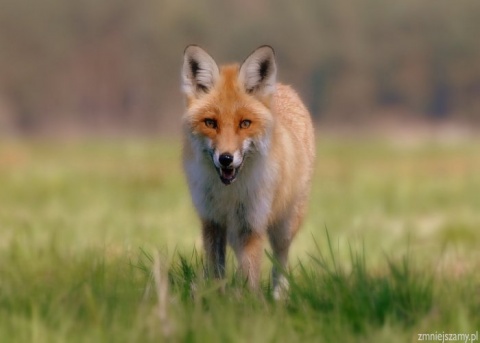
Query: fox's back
x=295, y=118
x=293, y=151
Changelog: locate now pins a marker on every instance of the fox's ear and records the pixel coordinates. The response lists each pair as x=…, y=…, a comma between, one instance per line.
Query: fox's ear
x=199, y=72
x=258, y=72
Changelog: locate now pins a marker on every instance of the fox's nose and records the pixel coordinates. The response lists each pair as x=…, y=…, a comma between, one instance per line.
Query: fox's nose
x=225, y=159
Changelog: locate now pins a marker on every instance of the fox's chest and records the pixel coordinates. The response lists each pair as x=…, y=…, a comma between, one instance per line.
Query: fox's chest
x=243, y=203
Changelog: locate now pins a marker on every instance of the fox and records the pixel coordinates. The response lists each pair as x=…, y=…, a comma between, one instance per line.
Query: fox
x=248, y=155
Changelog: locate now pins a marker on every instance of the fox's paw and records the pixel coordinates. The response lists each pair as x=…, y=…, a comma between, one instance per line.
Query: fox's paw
x=280, y=288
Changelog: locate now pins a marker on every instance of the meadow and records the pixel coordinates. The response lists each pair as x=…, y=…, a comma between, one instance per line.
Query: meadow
x=99, y=242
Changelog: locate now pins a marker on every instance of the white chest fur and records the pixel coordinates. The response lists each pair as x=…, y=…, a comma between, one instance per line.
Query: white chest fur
x=245, y=204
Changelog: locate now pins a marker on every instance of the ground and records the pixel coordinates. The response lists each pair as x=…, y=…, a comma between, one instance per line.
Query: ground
x=100, y=243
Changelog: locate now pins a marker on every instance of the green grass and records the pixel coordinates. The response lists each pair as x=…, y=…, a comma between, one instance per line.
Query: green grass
x=99, y=243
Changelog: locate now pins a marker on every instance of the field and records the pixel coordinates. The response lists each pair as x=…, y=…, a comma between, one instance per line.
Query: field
x=99, y=243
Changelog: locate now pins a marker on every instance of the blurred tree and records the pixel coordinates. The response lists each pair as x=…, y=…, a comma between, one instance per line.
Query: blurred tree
x=114, y=65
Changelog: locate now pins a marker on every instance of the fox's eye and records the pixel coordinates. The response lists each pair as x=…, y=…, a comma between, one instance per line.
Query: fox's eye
x=245, y=124
x=211, y=123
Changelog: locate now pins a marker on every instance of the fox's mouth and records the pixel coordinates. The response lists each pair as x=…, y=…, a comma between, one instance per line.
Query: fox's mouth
x=228, y=175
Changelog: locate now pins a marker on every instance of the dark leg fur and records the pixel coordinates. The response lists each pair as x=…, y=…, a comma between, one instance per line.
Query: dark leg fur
x=214, y=242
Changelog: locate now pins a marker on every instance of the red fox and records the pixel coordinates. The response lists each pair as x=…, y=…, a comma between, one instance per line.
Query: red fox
x=248, y=155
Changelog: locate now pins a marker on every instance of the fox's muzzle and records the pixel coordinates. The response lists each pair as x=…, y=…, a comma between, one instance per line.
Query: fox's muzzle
x=228, y=165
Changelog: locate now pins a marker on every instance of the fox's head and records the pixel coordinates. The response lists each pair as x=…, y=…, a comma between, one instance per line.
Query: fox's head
x=228, y=117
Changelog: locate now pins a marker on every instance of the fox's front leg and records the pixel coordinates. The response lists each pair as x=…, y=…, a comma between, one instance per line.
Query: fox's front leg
x=248, y=249
x=214, y=242
x=280, y=235
x=280, y=247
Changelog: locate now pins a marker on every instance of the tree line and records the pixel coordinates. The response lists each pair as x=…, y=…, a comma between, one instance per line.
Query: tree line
x=114, y=65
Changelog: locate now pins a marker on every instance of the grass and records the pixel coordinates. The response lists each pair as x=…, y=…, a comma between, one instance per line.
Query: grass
x=99, y=243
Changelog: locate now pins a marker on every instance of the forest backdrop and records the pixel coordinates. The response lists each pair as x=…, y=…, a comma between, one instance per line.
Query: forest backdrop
x=113, y=66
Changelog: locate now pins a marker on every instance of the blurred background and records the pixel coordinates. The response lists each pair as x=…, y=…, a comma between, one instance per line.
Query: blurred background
x=91, y=183
x=112, y=67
